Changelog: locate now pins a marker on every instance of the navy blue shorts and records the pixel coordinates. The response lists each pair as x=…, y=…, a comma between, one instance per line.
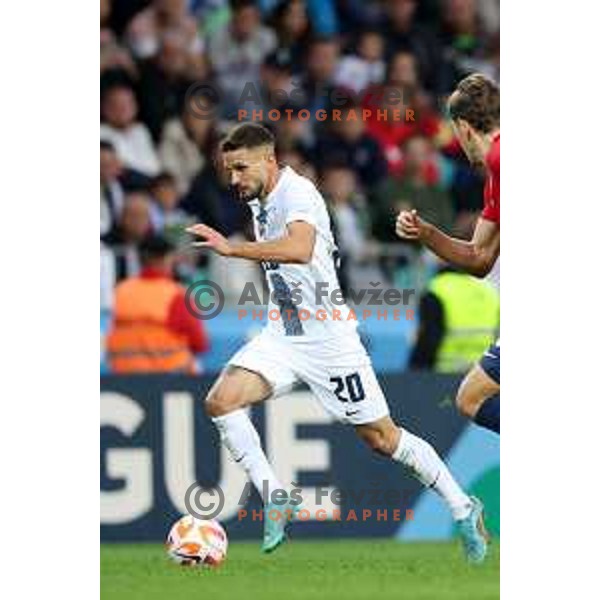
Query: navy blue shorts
x=490, y=362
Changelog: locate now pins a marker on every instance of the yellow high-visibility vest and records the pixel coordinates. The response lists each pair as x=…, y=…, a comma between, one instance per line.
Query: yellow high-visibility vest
x=471, y=309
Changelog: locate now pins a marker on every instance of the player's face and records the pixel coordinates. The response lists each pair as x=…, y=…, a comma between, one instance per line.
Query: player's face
x=470, y=143
x=247, y=171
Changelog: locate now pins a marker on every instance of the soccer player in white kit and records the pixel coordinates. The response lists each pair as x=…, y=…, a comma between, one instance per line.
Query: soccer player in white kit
x=312, y=341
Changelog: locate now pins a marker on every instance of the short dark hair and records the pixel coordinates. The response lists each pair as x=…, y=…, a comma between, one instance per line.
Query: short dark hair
x=163, y=178
x=476, y=100
x=335, y=163
x=154, y=247
x=115, y=86
x=237, y=5
x=322, y=38
x=247, y=135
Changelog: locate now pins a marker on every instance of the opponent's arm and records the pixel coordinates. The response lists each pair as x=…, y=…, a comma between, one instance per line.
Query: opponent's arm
x=477, y=257
x=296, y=247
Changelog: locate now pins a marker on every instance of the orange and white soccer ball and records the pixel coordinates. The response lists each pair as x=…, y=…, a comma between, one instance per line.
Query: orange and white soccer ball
x=196, y=542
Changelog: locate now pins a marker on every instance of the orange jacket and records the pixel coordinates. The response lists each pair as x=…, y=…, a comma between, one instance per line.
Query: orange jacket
x=142, y=337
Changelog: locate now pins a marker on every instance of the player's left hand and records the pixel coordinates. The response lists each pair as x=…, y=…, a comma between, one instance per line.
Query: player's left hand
x=212, y=239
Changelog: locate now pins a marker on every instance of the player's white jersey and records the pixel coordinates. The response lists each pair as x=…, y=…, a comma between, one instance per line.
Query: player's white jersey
x=306, y=304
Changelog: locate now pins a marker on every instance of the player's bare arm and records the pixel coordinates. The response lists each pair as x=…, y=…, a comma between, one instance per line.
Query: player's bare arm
x=296, y=247
x=477, y=256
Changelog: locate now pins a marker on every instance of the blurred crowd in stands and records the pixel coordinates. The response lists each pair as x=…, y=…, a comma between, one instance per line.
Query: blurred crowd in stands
x=172, y=77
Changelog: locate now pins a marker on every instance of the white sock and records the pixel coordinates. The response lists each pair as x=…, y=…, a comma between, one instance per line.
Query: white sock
x=241, y=439
x=425, y=464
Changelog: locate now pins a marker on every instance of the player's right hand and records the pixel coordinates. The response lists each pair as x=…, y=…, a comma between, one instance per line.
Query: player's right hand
x=211, y=239
x=408, y=225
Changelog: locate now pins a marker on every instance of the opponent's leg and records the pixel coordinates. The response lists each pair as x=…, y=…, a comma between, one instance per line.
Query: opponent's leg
x=479, y=399
x=235, y=389
x=419, y=457
x=353, y=395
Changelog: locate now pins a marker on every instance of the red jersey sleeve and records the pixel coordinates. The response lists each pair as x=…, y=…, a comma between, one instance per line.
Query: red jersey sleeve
x=182, y=321
x=491, y=192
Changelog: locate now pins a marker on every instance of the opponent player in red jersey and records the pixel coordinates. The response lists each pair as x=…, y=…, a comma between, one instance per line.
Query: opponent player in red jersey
x=474, y=108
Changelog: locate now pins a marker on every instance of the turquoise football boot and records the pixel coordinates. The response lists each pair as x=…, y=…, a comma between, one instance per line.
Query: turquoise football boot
x=276, y=528
x=473, y=534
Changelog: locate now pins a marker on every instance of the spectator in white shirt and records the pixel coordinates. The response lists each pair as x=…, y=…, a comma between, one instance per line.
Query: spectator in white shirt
x=107, y=277
x=187, y=142
x=347, y=207
x=365, y=68
x=120, y=127
x=167, y=217
x=134, y=225
x=112, y=194
x=237, y=51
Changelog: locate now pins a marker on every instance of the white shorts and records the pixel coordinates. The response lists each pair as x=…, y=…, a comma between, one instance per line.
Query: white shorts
x=338, y=371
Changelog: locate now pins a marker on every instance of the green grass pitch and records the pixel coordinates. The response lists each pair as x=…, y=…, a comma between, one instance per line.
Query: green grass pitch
x=356, y=568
